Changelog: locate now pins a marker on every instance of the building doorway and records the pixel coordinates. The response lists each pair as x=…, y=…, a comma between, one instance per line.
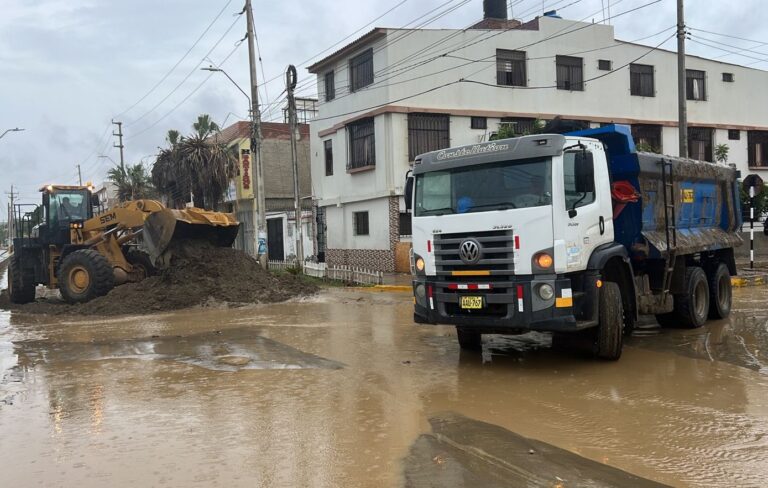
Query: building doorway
x=275, y=248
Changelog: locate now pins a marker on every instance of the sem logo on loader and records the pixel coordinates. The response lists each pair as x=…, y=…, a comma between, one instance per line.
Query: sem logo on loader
x=687, y=195
x=108, y=218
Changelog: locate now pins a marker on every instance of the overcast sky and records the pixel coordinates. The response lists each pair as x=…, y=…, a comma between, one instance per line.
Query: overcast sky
x=70, y=66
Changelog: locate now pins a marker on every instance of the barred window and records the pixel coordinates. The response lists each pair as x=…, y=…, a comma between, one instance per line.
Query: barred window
x=641, y=80
x=757, y=143
x=510, y=68
x=570, y=73
x=728, y=77
x=734, y=134
x=648, y=137
x=330, y=86
x=695, y=84
x=361, y=70
x=479, y=123
x=328, y=146
x=700, y=143
x=362, y=144
x=427, y=132
x=361, y=223
x=521, y=126
x=604, y=64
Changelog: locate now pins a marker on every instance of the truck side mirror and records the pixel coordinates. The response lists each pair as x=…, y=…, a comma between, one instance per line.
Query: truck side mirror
x=584, y=170
x=409, y=191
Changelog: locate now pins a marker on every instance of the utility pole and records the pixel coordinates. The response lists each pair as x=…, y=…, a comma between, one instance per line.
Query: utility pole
x=257, y=167
x=290, y=84
x=79, y=175
x=119, y=136
x=682, y=109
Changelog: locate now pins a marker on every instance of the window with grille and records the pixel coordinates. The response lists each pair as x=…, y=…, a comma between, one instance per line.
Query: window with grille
x=361, y=223
x=700, y=143
x=728, y=77
x=362, y=144
x=757, y=142
x=361, y=70
x=427, y=132
x=734, y=134
x=405, y=224
x=570, y=73
x=641, y=80
x=647, y=137
x=521, y=126
x=510, y=68
x=604, y=64
x=479, y=123
x=330, y=86
x=695, y=84
x=328, y=146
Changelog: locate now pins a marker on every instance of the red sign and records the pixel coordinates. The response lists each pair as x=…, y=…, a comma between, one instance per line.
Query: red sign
x=246, y=170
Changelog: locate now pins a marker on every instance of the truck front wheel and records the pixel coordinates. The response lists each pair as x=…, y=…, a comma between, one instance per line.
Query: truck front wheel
x=469, y=340
x=610, y=331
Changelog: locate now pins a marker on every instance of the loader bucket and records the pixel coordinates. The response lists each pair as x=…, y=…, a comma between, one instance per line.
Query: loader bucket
x=168, y=225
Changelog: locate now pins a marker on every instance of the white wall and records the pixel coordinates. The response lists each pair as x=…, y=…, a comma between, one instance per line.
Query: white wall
x=340, y=221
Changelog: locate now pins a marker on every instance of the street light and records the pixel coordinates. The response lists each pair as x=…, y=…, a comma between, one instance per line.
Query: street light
x=104, y=156
x=13, y=130
x=259, y=206
x=219, y=70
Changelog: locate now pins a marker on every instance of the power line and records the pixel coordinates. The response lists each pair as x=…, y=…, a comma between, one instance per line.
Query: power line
x=763, y=43
x=173, y=68
x=193, y=71
x=715, y=45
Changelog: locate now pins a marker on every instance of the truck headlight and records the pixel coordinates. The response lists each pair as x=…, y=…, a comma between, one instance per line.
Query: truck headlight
x=420, y=292
x=545, y=291
x=420, y=264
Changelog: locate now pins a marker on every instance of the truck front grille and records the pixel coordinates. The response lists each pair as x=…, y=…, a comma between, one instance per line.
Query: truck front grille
x=497, y=250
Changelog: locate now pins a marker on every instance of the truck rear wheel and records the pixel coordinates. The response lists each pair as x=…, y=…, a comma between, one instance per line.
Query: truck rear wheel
x=610, y=331
x=469, y=340
x=720, y=292
x=21, y=282
x=692, y=307
x=85, y=275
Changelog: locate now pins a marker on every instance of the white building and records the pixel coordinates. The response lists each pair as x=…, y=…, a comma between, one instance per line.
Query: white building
x=395, y=93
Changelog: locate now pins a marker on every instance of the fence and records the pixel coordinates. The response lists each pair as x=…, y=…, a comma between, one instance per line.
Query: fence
x=342, y=273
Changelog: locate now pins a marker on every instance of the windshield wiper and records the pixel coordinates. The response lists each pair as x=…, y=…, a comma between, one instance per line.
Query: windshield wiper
x=499, y=205
x=438, y=211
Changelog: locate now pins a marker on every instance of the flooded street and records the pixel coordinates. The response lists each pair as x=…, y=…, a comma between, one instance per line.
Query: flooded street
x=344, y=390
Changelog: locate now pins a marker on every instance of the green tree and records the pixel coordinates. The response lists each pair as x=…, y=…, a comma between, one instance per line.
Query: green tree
x=721, y=153
x=133, y=183
x=205, y=126
x=173, y=137
x=195, y=166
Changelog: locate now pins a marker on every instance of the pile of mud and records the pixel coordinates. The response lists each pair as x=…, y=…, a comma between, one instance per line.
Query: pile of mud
x=200, y=275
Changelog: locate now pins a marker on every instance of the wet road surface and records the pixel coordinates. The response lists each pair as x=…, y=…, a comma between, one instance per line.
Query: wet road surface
x=343, y=390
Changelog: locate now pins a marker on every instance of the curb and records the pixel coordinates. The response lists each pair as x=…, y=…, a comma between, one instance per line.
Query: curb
x=401, y=288
x=758, y=279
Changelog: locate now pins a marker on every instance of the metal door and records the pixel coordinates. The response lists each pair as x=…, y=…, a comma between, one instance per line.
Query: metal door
x=275, y=239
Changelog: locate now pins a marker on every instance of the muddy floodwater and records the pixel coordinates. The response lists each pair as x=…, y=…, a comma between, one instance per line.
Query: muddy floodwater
x=343, y=390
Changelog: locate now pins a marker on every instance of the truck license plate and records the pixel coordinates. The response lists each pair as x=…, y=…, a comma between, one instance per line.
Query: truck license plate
x=472, y=303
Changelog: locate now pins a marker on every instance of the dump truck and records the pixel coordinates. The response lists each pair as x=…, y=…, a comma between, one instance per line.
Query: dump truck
x=576, y=234
x=71, y=243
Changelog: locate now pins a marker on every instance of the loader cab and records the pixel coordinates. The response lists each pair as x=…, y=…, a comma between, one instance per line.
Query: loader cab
x=63, y=206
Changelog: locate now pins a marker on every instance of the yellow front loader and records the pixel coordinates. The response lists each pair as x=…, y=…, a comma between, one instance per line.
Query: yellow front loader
x=67, y=244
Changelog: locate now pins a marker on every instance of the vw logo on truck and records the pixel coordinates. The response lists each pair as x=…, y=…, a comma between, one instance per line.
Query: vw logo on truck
x=469, y=251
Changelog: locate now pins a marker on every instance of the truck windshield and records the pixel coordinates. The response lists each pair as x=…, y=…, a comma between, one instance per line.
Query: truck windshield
x=495, y=186
x=68, y=206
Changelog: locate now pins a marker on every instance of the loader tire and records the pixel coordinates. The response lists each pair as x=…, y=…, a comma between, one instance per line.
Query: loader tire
x=720, y=292
x=141, y=260
x=609, y=339
x=21, y=282
x=85, y=275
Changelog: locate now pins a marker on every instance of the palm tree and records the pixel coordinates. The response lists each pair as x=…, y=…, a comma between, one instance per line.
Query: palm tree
x=133, y=182
x=205, y=126
x=195, y=166
x=173, y=137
